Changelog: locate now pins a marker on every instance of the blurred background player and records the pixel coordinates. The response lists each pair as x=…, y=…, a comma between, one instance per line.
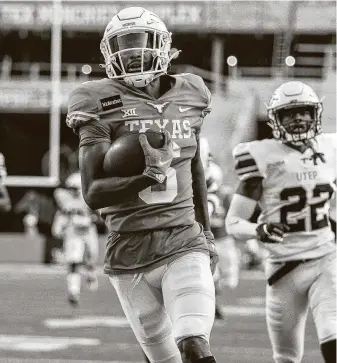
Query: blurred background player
x=218, y=197
x=74, y=223
x=292, y=177
x=160, y=252
x=5, y=201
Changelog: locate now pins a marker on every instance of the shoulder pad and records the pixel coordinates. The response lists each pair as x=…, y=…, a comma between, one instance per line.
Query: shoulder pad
x=330, y=137
x=82, y=108
x=246, y=165
x=200, y=85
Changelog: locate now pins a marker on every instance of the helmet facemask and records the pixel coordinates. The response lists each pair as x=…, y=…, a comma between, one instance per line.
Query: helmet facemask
x=294, y=113
x=136, y=55
x=296, y=123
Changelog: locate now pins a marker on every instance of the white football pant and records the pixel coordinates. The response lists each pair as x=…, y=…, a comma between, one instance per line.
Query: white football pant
x=311, y=284
x=168, y=304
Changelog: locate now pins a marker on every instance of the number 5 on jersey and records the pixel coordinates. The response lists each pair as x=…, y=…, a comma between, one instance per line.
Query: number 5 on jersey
x=166, y=192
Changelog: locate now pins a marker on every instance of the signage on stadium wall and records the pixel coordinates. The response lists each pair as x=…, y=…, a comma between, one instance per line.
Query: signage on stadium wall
x=94, y=16
x=199, y=16
x=38, y=99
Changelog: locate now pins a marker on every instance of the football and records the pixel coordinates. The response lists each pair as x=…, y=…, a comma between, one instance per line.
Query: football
x=126, y=157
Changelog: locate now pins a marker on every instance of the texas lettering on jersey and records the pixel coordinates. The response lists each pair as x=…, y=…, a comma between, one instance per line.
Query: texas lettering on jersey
x=296, y=191
x=106, y=109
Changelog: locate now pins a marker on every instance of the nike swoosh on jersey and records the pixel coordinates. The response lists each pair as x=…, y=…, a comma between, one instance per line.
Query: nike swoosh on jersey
x=184, y=109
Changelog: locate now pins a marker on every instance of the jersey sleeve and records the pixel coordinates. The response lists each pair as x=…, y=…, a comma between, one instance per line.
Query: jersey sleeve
x=199, y=86
x=208, y=100
x=82, y=108
x=84, y=119
x=246, y=165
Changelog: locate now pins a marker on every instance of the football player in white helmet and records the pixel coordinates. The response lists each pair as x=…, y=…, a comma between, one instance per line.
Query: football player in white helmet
x=292, y=177
x=160, y=253
x=136, y=49
x=74, y=223
x=5, y=201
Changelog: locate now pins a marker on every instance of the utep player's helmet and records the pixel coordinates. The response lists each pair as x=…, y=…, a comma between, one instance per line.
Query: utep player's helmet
x=136, y=32
x=293, y=95
x=73, y=182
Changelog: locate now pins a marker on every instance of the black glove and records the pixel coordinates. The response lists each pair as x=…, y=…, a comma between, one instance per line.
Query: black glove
x=213, y=254
x=157, y=161
x=271, y=232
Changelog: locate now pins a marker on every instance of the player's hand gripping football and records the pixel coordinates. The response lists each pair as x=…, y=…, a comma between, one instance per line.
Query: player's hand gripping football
x=157, y=161
x=213, y=254
x=271, y=232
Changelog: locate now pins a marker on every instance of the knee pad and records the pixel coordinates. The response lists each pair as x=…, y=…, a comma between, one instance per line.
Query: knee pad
x=163, y=351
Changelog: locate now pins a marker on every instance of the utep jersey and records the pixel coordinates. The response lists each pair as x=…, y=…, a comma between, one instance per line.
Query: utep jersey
x=295, y=192
x=112, y=108
x=78, y=217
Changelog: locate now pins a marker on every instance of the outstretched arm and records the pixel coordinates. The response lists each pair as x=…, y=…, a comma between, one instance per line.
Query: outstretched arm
x=242, y=208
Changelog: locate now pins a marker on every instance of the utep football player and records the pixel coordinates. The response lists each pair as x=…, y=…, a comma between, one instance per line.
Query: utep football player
x=218, y=196
x=292, y=177
x=74, y=223
x=5, y=201
x=158, y=257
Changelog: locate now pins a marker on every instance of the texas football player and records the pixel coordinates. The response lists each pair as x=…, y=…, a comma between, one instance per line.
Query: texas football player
x=160, y=252
x=292, y=178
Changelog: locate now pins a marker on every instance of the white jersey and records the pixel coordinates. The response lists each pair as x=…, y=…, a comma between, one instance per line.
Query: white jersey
x=295, y=192
x=74, y=213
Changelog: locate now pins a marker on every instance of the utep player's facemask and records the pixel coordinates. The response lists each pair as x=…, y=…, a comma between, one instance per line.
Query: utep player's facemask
x=136, y=47
x=295, y=112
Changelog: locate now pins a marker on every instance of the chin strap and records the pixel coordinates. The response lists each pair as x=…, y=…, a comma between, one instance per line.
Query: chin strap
x=316, y=155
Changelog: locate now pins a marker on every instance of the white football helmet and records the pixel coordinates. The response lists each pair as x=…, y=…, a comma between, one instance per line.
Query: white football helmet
x=136, y=46
x=289, y=95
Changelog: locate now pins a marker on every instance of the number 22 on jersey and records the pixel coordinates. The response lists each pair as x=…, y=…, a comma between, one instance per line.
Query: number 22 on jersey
x=306, y=214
